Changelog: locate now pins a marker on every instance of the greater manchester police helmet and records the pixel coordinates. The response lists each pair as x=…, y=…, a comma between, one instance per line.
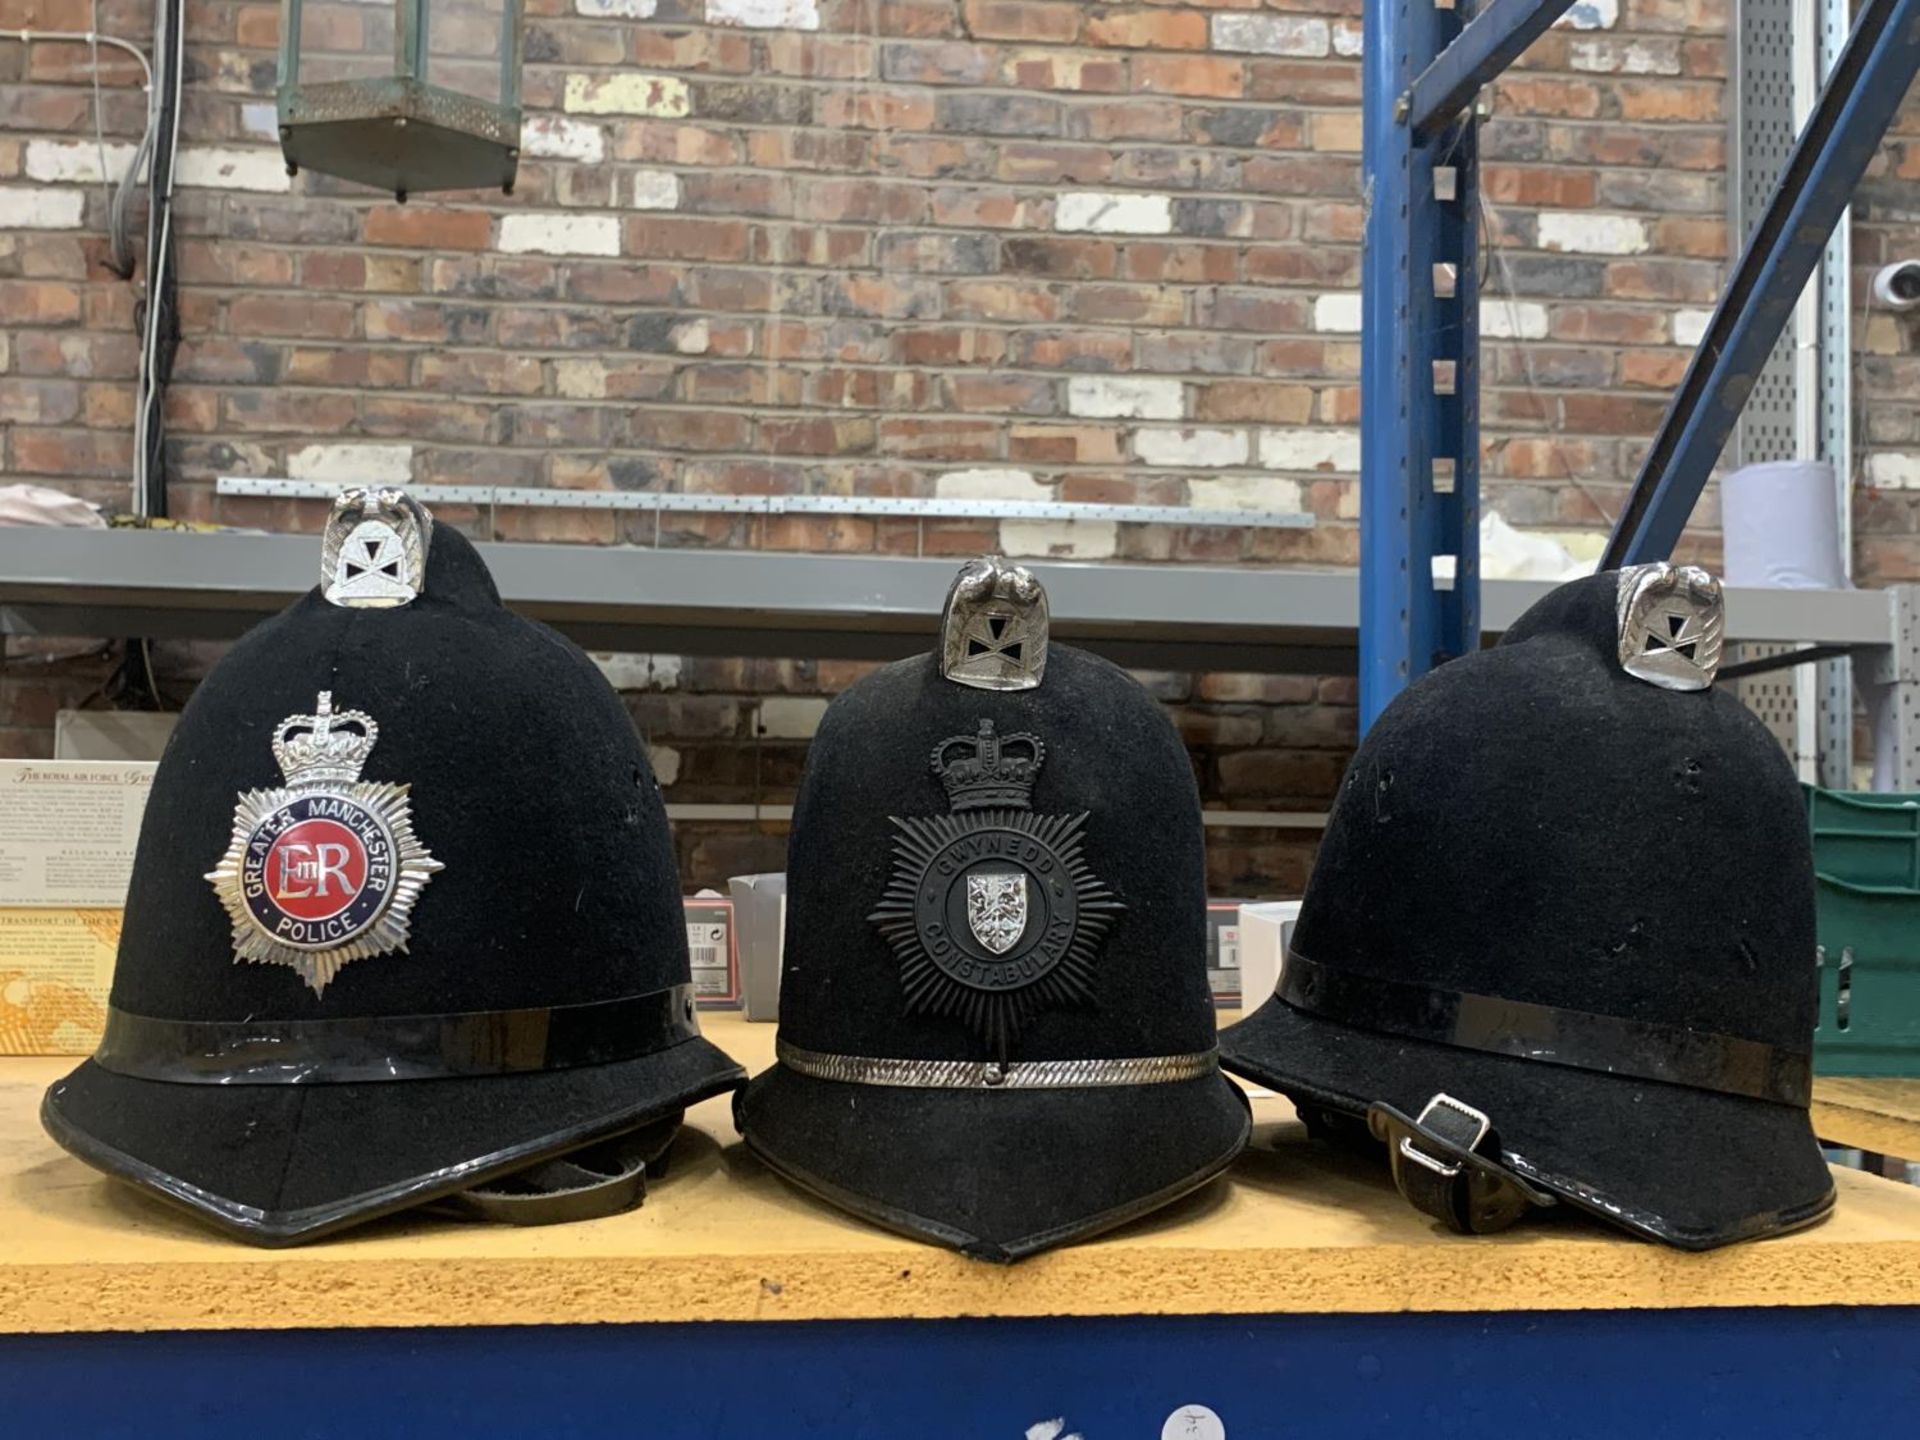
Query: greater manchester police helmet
x=995, y=1031
x=404, y=922
x=1558, y=946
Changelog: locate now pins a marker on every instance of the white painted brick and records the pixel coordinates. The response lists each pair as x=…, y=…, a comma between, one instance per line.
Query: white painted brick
x=638, y=672
x=617, y=9
x=261, y=120
x=1347, y=38
x=666, y=764
x=555, y=137
x=537, y=234
x=1114, y=397
x=1689, y=326
x=1295, y=35
x=29, y=207
x=1606, y=56
x=352, y=464
x=220, y=167
x=1061, y=539
x=765, y=14
x=693, y=337
x=1114, y=214
x=1199, y=449
x=1504, y=319
x=75, y=161
x=791, y=717
x=1337, y=450
x=1337, y=314
x=1885, y=335
x=1585, y=232
x=653, y=190
x=1894, y=470
x=663, y=96
x=580, y=379
x=1591, y=15
x=1246, y=492
x=990, y=485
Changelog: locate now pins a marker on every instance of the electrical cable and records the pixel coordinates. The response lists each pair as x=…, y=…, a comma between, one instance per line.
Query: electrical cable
x=1495, y=255
x=160, y=318
x=119, y=223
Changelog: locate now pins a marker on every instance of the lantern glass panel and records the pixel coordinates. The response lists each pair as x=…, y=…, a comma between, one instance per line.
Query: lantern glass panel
x=344, y=41
x=465, y=45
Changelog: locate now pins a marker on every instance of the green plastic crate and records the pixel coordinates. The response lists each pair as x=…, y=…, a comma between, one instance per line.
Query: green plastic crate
x=1866, y=859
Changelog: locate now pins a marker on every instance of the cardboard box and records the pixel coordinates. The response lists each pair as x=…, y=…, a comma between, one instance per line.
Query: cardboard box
x=713, y=951
x=1223, y=951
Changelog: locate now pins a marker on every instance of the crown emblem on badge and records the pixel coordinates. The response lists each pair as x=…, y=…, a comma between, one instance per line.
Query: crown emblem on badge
x=326, y=869
x=984, y=770
x=324, y=748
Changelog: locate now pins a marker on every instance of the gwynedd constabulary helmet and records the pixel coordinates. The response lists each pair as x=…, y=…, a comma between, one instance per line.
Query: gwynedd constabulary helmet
x=995, y=1027
x=1558, y=946
x=404, y=923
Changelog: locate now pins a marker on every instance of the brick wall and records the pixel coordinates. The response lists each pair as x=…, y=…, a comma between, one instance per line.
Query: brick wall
x=977, y=248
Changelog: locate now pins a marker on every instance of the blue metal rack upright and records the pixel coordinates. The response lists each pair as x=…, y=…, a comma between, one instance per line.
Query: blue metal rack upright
x=1420, y=322
x=1419, y=460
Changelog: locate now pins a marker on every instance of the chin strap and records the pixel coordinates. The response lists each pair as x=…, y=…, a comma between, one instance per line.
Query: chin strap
x=605, y=1178
x=1446, y=1165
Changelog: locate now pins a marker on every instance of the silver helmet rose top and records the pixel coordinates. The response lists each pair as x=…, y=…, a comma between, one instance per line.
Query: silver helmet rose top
x=993, y=635
x=1672, y=621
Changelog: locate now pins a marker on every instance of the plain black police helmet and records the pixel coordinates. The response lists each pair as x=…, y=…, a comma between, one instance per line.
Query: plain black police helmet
x=404, y=922
x=1558, y=947
x=995, y=1027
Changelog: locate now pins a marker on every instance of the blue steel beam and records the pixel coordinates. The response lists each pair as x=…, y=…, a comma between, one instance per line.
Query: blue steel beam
x=1419, y=451
x=1861, y=96
x=1487, y=46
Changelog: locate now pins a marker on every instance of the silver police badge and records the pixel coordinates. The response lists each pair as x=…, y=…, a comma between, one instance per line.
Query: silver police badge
x=374, y=553
x=992, y=909
x=1672, y=620
x=326, y=869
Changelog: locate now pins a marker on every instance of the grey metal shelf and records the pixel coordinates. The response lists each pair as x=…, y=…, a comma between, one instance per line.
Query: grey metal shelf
x=698, y=602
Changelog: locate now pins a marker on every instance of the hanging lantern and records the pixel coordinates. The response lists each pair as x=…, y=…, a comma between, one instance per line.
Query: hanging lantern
x=406, y=95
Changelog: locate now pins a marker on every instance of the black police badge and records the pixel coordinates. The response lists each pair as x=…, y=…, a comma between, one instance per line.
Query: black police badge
x=327, y=869
x=991, y=909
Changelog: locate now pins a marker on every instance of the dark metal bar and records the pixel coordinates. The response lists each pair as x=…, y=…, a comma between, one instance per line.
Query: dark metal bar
x=1485, y=48
x=1764, y=664
x=1860, y=99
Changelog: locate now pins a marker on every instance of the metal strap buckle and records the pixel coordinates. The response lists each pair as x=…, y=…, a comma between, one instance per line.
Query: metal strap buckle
x=1445, y=1164
x=1457, y=1121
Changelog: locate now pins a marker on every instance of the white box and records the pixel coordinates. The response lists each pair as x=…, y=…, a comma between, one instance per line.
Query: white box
x=1265, y=931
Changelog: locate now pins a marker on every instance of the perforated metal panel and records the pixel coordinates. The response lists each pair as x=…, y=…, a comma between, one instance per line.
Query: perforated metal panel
x=1770, y=695
x=1759, y=141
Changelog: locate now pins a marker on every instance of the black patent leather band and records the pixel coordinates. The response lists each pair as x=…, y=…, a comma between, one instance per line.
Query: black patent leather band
x=1636, y=1049
x=360, y=1049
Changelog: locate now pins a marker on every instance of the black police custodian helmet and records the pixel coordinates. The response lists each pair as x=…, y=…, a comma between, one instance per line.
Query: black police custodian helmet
x=404, y=917
x=1558, y=945
x=995, y=1026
